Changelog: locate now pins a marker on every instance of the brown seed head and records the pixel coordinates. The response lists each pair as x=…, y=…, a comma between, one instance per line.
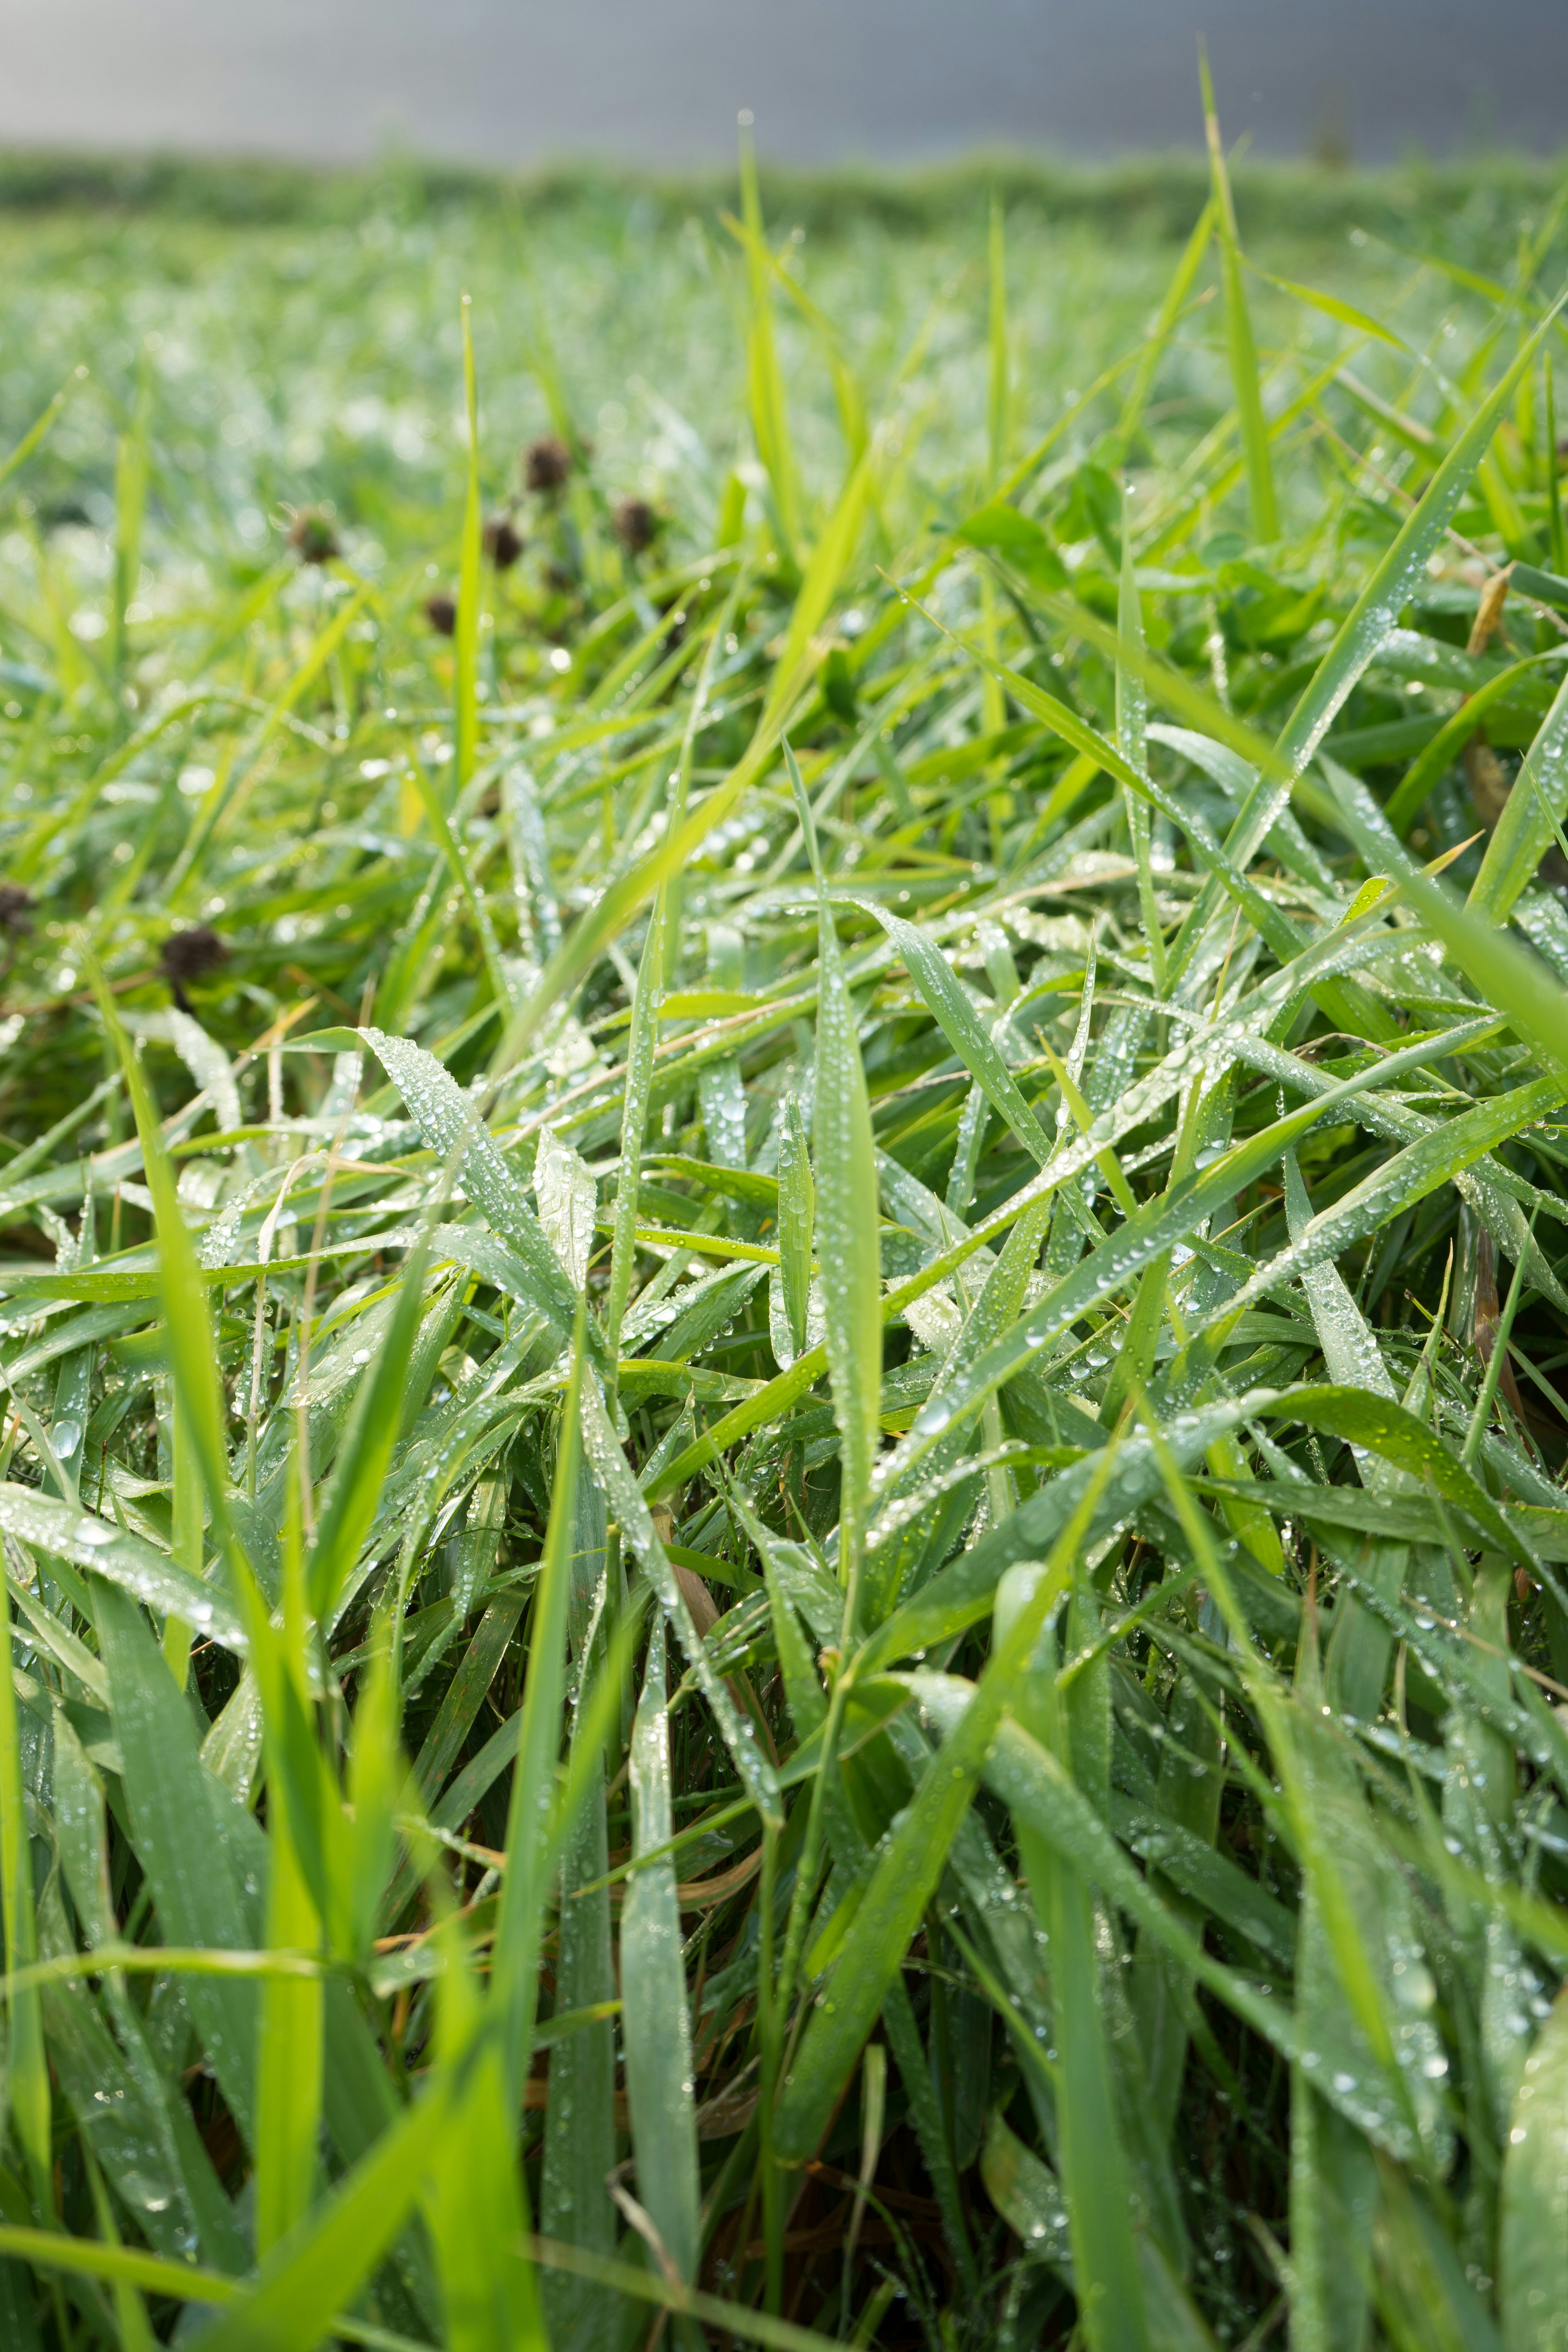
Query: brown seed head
x=441, y=611
x=15, y=906
x=192, y=955
x=312, y=535
x=635, y=525
x=546, y=464
x=503, y=542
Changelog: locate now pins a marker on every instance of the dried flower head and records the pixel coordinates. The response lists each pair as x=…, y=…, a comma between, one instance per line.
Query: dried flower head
x=503, y=542
x=312, y=535
x=546, y=464
x=441, y=611
x=15, y=906
x=191, y=955
x=635, y=525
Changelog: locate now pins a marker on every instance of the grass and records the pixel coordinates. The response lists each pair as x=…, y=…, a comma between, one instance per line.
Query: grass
x=783, y=1302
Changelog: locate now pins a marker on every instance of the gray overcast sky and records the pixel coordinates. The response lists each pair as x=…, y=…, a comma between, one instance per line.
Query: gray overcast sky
x=519, y=81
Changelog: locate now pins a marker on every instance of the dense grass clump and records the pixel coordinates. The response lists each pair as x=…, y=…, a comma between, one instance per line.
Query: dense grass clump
x=783, y=1302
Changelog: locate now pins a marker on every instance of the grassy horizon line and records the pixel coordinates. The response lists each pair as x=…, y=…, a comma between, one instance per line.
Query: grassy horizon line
x=1157, y=193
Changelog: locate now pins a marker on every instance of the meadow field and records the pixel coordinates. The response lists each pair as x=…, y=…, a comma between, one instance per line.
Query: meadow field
x=784, y=1523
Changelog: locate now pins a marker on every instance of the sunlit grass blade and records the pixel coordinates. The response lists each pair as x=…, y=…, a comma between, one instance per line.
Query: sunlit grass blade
x=466, y=642
x=769, y=418
x=1243, y=371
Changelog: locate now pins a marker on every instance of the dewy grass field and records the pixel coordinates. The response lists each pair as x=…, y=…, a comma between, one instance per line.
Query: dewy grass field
x=783, y=1305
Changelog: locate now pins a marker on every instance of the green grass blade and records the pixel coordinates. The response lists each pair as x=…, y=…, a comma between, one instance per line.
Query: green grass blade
x=797, y=1222
x=529, y=1820
x=195, y=1845
x=1524, y=832
x=909, y=1868
x=848, y=1232
x=1243, y=351
x=288, y=2048
x=963, y=1029
x=27, y=2067
x=323, y=2263
x=131, y=480
x=1132, y=730
x=365, y=1453
x=999, y=388
x=1532, y=2251
x=655, y=2021
x=768, y=415
x=640, y=1047
x=580, y=2126
x=466, y=642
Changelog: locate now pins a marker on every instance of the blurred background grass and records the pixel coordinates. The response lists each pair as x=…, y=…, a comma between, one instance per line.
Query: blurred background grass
x=302, y=326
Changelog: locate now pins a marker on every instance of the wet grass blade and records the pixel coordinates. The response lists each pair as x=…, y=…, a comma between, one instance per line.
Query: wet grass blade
x=657, y=2023
x=848, y=1231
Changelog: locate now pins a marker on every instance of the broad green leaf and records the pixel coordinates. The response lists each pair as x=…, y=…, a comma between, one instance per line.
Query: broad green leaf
x=1000, y=529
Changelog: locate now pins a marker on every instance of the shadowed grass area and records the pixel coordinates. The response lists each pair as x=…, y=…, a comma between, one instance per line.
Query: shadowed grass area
x=782, y=1281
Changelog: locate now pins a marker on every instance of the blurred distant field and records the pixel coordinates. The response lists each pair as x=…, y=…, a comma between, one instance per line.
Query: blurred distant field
x=302, y=332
